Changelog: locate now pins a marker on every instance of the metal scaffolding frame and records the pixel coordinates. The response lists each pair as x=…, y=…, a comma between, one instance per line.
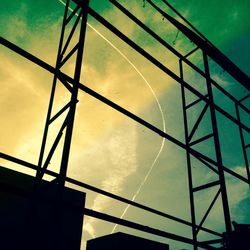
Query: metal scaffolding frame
x=74, y=85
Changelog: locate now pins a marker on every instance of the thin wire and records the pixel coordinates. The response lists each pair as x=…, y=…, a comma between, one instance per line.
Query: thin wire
x=158, y=104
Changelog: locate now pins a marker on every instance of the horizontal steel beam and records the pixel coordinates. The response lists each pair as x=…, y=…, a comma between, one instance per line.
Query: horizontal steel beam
x=162, y=67
x=211, y=51
x=175, y=52
x=65, y=77
x=105, y=193
x=144, y=228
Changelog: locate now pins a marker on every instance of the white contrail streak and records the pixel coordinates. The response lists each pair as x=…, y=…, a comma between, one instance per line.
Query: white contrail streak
x=158, y=104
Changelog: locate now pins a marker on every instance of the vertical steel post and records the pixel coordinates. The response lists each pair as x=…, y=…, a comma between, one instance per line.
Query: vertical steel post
x=243, y=144
x=53, y=89
x=74, y=94
x=189, y=165
x=224, y=197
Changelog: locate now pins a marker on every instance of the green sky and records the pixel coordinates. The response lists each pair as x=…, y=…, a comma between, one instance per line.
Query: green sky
x=106, y=142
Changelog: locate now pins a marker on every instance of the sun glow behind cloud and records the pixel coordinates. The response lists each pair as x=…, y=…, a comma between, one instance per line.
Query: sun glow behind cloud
x=120, y=159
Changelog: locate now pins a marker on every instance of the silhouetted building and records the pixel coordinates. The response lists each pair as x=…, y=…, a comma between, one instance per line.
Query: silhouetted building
x=122, y=241
x=239, y=239
x=39, y=221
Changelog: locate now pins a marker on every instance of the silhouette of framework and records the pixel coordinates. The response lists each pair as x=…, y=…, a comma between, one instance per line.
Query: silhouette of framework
x=74, y=85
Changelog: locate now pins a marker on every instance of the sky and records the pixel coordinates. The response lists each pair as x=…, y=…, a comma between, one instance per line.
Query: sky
x=109, y=150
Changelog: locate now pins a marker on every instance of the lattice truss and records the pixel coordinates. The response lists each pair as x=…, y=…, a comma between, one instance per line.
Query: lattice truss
x=199, y=106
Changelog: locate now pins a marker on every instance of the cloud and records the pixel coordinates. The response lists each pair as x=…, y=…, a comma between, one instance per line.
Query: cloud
x=17, y=27
x=104, y=151
x=108, y=150
x=120, y=149
x=22, y=98
x=96, y=124
x=236, y=187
